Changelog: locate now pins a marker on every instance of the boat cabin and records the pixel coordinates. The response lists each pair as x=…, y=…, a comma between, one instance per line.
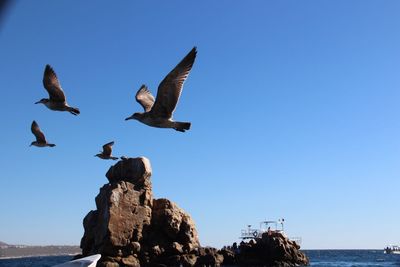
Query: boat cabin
x=265, y=226
x=272, y=227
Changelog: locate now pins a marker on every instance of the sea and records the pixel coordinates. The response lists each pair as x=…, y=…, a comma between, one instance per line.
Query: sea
x=318, y=258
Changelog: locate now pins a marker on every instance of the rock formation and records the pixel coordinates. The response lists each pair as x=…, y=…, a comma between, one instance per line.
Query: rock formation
x=272, y=249
x=123, y=211
x=130, y=228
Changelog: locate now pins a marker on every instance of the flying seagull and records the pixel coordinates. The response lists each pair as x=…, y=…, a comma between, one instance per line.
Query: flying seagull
x=158, y=112
x=40, y=139
x=57, y=99
x=106, y=154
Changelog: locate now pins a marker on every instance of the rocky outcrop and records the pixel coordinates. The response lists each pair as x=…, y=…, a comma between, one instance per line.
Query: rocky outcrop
x=273, y=249
x=118, y=222
x=130, y=228
x=123, y=210
x=172, y=233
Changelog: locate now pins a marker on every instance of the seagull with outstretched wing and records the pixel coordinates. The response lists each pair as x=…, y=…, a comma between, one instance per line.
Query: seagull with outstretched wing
x=106, y=153
x=40, y=138
x=158, y=112
x=56, y=100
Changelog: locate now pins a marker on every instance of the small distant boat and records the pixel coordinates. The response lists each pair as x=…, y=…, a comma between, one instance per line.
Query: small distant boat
x=393, y=249
x=90, y=261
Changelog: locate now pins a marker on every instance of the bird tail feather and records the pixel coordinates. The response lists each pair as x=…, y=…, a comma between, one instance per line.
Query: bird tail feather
x=51, y=145
x=74, y=111
x=182, y=126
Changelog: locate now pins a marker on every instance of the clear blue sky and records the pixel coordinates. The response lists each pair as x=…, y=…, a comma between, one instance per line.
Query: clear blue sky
x=294, y=108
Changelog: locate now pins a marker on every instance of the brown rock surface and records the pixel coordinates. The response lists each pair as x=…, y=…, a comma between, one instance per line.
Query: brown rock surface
x=134, y=170
x=172, y=225
x=172, y=235
x=129, y=228
x=123, y=212
x=271, y=250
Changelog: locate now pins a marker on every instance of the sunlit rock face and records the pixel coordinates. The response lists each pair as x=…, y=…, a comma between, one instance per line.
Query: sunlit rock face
x=123, y=210
x=172, y=236
x=129, y=228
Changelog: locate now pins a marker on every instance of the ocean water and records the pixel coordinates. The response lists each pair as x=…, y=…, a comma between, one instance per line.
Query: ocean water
x=318, y=258
x=351, y=258
x=44, y=261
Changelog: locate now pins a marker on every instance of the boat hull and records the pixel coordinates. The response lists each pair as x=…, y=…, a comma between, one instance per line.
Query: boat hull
x=90, y=261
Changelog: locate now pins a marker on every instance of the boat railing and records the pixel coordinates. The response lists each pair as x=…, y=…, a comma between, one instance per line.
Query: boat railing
x=250, y=233
x=270, y=227
x=257, y=233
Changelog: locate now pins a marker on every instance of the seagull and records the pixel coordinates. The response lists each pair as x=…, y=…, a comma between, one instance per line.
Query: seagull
x=158, y=112
x=40, y=139
x=57, y=99
x=106, y=153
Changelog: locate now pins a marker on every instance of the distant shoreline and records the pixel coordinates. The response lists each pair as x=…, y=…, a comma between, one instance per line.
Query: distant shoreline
x=33, y=256
x=11, y=252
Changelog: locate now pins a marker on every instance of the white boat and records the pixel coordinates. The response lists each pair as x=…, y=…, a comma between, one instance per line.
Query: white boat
x=392, y=249
x=90, y=261
x=265, y=227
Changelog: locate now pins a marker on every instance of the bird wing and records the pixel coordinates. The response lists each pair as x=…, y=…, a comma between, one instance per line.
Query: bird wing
x=145, y=98
x=170, y=88
x=52, y=85
x=37, y=133
x=107, y=149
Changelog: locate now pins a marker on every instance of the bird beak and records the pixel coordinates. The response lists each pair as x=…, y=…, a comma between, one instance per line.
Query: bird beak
x=37, y=102
x=129, y=118
x=30, y=145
